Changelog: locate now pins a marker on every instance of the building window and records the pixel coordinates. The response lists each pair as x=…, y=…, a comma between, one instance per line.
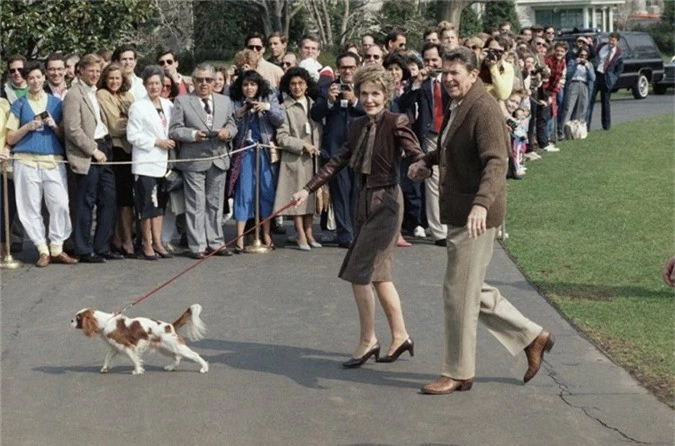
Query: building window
x=560, y=18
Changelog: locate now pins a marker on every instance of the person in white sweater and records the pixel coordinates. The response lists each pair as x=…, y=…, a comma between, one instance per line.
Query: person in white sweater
x=147, y=131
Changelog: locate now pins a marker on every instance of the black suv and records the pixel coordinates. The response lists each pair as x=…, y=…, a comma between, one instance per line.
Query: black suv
x=642, y=61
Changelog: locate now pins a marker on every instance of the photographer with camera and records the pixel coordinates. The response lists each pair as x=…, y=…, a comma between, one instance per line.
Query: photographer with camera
x=581, y=75
x=495, y=72
x=338, y=106
x=258, y=114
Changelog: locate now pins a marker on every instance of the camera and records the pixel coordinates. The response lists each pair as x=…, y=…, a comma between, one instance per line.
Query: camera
x=512, y=124
x=211, y=134
x=493, y=54
x=248, y=103
x=345, y=87
x=44, y=115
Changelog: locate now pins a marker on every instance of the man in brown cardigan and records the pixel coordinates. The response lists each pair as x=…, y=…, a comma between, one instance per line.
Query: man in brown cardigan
x=472, y=159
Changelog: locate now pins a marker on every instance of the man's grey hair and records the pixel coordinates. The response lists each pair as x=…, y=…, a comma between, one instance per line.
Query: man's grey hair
x=462, y=55
x=152, y=70
x=204, y=67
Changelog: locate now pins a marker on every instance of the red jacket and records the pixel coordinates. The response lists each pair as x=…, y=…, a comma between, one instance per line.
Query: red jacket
x=557, y=67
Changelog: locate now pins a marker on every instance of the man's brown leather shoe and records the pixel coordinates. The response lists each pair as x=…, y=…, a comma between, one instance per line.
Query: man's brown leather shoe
x=64, y=259
x=535, y=353
x=42, y=261
x=445, y=385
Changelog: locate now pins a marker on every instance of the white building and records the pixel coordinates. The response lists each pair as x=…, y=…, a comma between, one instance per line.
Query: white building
x=569, y=14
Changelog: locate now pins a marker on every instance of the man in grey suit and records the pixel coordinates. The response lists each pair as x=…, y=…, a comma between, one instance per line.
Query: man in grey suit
x=203, y=123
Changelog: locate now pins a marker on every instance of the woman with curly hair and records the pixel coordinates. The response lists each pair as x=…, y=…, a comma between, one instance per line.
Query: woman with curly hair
x=299, y=138
x=258, y=114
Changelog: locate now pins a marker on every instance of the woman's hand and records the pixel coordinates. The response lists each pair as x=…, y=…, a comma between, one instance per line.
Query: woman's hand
x=4, y=153
x=310, y=149
x=300, y=197
x=50, y=122
x=34, y=125
x=166, y=144
x=259, y=106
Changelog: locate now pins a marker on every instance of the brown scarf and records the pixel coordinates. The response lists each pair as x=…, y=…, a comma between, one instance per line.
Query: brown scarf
x=361, y=158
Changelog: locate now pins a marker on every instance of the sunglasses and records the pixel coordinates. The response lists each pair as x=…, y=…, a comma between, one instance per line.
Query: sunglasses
x=166, y=62
x=166, y=85
x=540, y=44
x=474, y=47
x=286, y=64
x=203, y=80
x=15, y=70
x=255, y=47
x=372, y=56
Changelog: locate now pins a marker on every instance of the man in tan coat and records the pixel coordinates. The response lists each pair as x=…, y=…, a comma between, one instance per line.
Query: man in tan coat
x=87, y=140
x=472, y=159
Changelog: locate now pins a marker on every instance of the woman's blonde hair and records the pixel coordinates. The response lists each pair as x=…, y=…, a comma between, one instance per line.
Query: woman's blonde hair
x=246, y=57
x=379, y=76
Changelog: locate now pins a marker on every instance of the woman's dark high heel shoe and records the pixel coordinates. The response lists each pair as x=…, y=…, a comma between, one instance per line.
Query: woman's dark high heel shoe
x=408, y=345
x=355, y=363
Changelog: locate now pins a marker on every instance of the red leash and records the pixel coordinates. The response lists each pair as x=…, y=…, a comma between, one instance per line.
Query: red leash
x=200, y=261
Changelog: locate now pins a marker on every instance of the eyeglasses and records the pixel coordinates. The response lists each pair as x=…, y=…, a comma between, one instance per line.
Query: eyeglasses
x=166, y=85
x=15, y=70
x=476, y=47
x=286, y=64
x=255, y=47
x=203, y=80
x=540, y=43
x=166, y=62
x=372, y=56
x=550, y=32
x=348, y=67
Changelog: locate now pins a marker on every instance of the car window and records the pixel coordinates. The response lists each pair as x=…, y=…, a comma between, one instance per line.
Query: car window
x=643, y=46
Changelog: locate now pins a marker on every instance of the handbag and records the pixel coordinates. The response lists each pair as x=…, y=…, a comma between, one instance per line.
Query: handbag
x=173, y=180
x=576, y=129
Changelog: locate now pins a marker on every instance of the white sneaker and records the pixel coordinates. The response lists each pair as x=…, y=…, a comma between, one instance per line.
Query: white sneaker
x=551, y=148
x=532, y=156
x=520, y=171
x=419, y=232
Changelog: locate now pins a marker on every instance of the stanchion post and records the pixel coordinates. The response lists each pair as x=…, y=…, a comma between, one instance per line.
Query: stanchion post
x=7, y=261
x=257, y=247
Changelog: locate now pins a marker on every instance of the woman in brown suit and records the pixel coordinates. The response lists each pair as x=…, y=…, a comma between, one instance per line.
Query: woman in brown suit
x=373, y=150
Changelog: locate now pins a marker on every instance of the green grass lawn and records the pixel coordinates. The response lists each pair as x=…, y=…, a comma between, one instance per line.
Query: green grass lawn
x=591, y=227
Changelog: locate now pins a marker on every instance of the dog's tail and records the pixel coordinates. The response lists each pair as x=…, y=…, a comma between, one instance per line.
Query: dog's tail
x=196, y=329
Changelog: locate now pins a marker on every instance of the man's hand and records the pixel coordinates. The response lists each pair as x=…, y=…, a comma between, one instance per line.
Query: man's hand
x=669, y=272
x=418, y=172
x=333, y=92
x=223, y=134
x=476, y=223
x=99, y=156
x=201, y=136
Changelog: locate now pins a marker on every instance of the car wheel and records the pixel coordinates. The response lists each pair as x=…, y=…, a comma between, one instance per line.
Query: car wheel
x=641, y=87
x=660, y=89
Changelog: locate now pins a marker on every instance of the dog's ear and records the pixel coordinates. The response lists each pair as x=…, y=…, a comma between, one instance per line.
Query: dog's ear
x=89, y=324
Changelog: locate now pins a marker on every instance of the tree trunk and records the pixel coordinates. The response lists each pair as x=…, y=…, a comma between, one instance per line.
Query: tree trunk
x=452, y=10
x=345, y=21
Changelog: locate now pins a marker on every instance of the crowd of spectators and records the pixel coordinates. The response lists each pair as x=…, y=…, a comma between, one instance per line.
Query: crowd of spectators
x=169, y=135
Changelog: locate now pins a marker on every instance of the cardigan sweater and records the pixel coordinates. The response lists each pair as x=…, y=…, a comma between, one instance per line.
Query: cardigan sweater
x=473, y=160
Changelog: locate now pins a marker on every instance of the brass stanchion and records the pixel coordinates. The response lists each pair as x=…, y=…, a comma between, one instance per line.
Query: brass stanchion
x=257, y=247
x=7, y=262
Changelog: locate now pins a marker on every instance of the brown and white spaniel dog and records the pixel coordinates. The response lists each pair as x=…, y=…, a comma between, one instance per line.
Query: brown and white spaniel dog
x=134, y=336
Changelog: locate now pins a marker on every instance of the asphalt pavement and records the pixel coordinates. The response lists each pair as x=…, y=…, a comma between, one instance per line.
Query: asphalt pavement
x=279, y=326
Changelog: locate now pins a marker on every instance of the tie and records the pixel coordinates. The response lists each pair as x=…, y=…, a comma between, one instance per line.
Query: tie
x=607, y=60
x=207, y=107
x=438, y=107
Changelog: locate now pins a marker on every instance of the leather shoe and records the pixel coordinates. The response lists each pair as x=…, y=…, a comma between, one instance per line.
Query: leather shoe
x=407, y=345
x=223, y=252
x=535, y=353
x=91, y=258
x=197, y=255
x=42, y=261
x=111, y=255
x=64, y=259
x=355, y=363
x=444, y=385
